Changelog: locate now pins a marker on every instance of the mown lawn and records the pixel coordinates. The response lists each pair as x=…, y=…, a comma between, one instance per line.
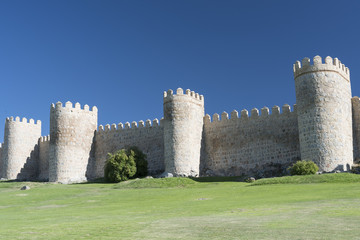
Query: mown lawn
x=315, y=207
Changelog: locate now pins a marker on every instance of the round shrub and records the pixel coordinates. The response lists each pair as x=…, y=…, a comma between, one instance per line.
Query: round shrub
x=140, y=161
x=303, y=167
x=125, y=164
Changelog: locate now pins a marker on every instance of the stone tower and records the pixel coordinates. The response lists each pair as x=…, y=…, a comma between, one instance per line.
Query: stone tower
x=20, y=139
x=323, y=99
x=71, y=138
x=183, y=125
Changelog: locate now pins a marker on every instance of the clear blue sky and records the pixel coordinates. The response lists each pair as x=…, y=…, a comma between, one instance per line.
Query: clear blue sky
x=122, y=55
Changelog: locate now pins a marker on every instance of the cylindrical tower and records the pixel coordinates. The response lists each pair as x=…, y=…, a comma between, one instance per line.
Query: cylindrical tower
x=71, y=137
x=323, y=99
x=20, y=139
x=183, y=125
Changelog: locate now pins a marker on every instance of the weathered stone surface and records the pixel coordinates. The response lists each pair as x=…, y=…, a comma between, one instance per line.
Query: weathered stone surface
x=148, y=138
x=166, y=175
x=324, y=126
x=72, y=131
x=250, y=179
x=183, y=125
x=25, y=188
x=20, y=139
x=323, y=96
x=262, y=145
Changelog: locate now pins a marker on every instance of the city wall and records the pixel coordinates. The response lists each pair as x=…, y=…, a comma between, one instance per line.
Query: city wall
x=72, y=131
x=44, y=153
x=260, y=144
x=356, y=127
x=147, y=136
x=20, y=139
x=324, y=126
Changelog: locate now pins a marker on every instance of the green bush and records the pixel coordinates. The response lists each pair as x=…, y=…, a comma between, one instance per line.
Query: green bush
x=125, y=164
x=140, y=161
x=303, y=167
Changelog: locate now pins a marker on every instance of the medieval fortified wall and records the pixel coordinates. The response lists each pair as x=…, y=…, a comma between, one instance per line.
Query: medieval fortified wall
x=323, y=126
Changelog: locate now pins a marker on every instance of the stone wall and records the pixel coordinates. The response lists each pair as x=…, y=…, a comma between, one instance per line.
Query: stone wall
x=259, y=145
x=72, y=131
x=20, y=139
x=146, y=136
x=183, y=125
x=44, y=153
x=323, y=97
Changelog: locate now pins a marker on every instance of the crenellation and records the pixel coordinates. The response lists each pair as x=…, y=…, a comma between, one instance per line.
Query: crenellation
x=244, y=115
x=265, y=111
x=155, y=122
x=286, y=109
x=254, y=113
x=330, y=65
x=224, y=116
x=323, y=126
x=179, y=91
x=207, y=119
x=234, y=115
x=216, y=117
x=68, y=104
x=77, y=105
x=23, y=120
x=295, y=108
x=325, y=132
x=275, y=110
x=168, y=95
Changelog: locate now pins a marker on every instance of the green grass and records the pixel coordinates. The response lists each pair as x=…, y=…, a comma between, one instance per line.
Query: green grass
x=323, y=178
x=301, y=207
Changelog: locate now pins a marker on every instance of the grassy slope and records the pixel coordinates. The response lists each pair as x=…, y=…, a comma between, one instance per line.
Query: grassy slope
x=181, y=208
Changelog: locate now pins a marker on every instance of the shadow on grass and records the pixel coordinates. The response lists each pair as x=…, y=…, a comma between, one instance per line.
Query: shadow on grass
x=196, y=179
x=95, y=181
x=219, y=179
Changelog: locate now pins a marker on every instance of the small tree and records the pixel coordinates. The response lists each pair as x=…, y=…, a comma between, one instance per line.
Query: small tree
x=125, y=164
x=140, y=161
x=303, y=167
x=119, y=167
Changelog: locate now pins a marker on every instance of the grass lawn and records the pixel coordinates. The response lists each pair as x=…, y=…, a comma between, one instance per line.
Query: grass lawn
x=301, y=207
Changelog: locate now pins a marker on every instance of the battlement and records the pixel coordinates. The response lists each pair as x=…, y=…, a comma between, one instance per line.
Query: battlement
x=23, y=120
x=133, y=125
x=330, y=64
x=255, y=114
x=69, y=106
x=44, y=139
x=169, y=94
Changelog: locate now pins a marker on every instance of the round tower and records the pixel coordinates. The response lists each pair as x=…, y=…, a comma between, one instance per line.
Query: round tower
x=20, y=139
x=71, y=138
x=183, y=125
x=323, y=99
